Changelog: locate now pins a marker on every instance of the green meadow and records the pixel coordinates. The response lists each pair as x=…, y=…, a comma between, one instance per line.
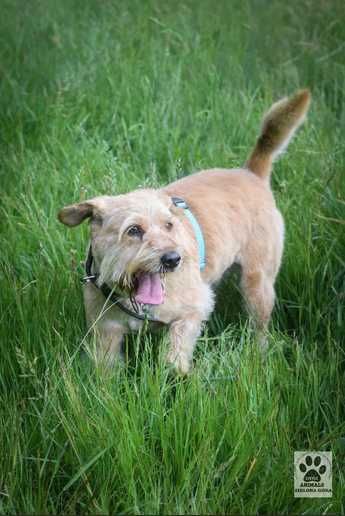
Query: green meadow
x=101, y=96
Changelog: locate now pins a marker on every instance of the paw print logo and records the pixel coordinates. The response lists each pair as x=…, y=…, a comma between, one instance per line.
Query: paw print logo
x=313, y=474
x=313, y=469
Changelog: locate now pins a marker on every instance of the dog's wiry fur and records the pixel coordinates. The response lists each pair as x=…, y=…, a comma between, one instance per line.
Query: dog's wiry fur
x=240, y=223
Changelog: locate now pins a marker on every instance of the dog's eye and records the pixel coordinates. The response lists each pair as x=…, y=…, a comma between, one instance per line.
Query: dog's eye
x=169, y=226
x=135, y=231
x=97, y=219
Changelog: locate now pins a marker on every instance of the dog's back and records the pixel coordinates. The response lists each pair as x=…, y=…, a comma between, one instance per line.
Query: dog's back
x=235, y=207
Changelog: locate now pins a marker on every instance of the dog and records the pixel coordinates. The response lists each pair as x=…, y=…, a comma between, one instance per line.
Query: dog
x=156, y=254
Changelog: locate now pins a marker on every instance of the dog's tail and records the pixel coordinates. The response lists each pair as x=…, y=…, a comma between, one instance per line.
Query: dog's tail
x=279, y=126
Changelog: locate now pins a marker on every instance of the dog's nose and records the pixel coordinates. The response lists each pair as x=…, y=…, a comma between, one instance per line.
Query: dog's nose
x=170, y=260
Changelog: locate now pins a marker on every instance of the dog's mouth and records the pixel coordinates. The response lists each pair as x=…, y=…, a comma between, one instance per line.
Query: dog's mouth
x=149, y=288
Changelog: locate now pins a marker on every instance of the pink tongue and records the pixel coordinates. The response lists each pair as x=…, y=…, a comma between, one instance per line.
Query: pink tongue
x=149, y=291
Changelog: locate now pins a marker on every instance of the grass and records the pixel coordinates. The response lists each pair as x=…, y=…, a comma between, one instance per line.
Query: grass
x=103, y=96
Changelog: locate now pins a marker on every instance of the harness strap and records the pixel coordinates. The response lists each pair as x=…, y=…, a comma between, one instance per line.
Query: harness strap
x=181, y=203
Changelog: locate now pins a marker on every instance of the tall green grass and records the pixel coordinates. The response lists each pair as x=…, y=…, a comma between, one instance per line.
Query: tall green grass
x=102, y=97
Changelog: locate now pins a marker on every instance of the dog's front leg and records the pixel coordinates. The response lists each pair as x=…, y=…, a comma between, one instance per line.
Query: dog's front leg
x=108, y=342
x=183, y=334
x=105, y=325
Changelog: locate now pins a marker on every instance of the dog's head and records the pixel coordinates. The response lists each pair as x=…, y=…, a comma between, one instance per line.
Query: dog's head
x=136, y=239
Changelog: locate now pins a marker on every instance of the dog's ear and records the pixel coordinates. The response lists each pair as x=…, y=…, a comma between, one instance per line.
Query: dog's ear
x=75, y=214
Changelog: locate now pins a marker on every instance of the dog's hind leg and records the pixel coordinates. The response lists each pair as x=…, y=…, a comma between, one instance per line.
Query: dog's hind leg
x=183, y=335
x=259, y=295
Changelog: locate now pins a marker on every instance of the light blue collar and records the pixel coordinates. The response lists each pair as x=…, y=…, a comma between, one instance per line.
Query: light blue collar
x=181, y=203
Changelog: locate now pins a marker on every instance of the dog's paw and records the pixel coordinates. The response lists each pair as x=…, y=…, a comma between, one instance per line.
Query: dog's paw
x=179, y=361
x=261, y=339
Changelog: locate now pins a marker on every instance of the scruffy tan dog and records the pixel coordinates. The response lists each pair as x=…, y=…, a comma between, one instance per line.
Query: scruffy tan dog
x=145, y=248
